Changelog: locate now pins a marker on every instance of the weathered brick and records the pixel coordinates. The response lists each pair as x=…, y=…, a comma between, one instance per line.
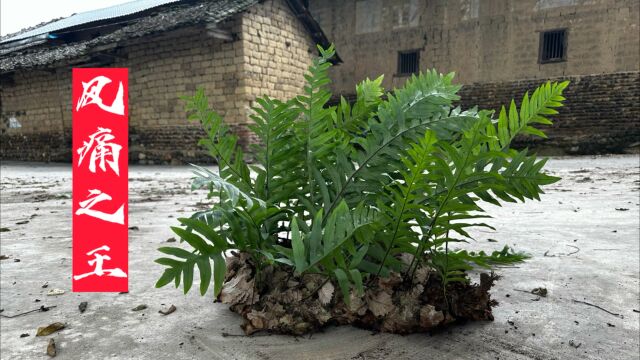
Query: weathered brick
x=162, y=67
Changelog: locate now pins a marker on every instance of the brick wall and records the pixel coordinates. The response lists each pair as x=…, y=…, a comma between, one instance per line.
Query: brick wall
x=481, y=40
x=161, y=68
x=601, y=113
x=492, y=45
x=270, y=51
x=40, y=102
x=277, y=54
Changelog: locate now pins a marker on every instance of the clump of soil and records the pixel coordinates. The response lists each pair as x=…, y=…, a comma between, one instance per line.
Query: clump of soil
x=285, y=303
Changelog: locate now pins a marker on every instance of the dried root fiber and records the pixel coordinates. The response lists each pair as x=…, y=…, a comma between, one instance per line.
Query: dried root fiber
x=279, y=301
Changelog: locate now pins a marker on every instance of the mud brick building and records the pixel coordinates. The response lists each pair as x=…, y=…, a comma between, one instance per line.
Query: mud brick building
x=235, y=49
x=240, y=49
x=499, y=49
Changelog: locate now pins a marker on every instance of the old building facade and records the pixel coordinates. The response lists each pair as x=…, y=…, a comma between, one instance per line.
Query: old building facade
x=499, y=49
x=240, y=49
x=235, y=49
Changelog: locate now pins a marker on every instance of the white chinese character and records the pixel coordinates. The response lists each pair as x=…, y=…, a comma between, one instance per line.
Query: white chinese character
x=98, y=261
x=102, y=148
x=96, y=196
x=91, y=95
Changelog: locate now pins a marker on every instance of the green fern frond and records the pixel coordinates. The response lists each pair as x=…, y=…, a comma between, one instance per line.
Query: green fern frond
x=345, y=190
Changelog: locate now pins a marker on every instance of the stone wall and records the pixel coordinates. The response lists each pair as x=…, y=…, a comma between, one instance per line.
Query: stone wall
x=601, y=113
x=268, y=54
x=481, y=40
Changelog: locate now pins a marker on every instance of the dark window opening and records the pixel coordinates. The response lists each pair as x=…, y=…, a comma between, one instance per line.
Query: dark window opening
x=553, y=46
x=408, y=62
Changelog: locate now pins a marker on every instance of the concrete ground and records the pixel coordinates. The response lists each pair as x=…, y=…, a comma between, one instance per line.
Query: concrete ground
x=583, y=236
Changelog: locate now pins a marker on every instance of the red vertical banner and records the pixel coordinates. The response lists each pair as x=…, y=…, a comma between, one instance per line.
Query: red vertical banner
x=100, y=179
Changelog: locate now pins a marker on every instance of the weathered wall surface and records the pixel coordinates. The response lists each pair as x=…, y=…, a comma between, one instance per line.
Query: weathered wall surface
x=40, y=103
x=493, y=47
x=482, y=41
x=601, y=113
x=269, y=53
x=276, y=52
x=160, y=69
x=168, y=66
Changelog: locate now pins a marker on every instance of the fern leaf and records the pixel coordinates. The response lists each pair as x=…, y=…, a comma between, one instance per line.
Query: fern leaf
x=205, y=178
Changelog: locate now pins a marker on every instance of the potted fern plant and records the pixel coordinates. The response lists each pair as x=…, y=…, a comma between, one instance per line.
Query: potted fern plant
x=357, y=213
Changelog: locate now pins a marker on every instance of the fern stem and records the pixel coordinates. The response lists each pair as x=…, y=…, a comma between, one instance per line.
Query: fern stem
x=226, y=163
x=308, y=155
x=446, y=268
x=418, y=170
x=267, y=159
x=439, y=211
